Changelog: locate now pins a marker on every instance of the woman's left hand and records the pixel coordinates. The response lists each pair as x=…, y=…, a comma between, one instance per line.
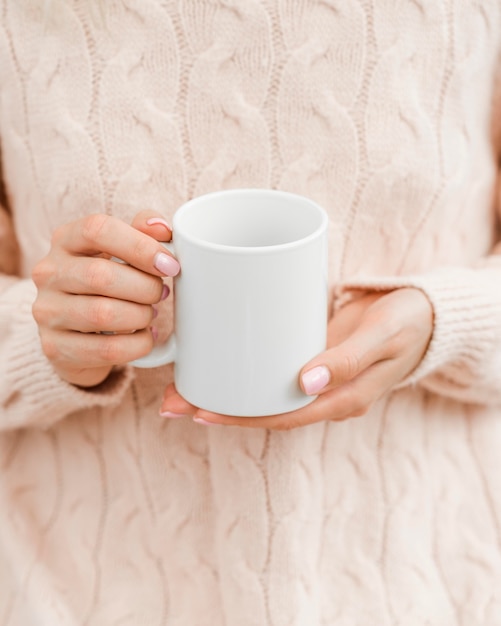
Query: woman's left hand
x=374, y=342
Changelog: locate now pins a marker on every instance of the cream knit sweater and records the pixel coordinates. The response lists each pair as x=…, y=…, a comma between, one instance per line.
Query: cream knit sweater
x=384, y=112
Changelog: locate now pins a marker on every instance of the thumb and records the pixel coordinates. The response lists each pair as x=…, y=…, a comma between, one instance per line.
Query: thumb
x=153, y=224
x=344, y=362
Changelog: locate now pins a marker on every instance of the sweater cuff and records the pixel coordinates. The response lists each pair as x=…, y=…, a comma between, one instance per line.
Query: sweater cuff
x=467, y=314
x=32, y=394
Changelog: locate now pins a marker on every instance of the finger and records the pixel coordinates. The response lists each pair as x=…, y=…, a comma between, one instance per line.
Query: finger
x=169, y=391
x=345, y=361
x=92, y=314
x=97, y=276
x=397, y=325
x=174, y=405
x=346, y=321
x=315, y=412
x=353, y=399
x=88, y=350
x=153, y=224
x=98, y=233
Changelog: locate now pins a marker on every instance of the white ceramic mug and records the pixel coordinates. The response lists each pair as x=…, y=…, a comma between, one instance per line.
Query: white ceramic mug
x=250, y=300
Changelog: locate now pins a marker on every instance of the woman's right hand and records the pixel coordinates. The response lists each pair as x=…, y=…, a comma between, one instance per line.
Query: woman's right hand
x=83, y=293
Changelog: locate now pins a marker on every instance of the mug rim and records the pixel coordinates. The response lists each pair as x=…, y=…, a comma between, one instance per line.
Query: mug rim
x=230, y=249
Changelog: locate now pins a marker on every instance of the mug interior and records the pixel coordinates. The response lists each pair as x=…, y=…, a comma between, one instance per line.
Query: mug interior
x=249, y=218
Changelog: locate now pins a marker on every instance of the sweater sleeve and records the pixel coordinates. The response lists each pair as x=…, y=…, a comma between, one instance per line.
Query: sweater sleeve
x=31, y=393
x=463, y=359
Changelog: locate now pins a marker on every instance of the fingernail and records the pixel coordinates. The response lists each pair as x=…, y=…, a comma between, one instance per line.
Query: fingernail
x=165, y=292
x=199, y=420
x=155, y=312
x=166, y=264
x=171, y=415
x=158, y=220
x=316, y=379
x=154, y=332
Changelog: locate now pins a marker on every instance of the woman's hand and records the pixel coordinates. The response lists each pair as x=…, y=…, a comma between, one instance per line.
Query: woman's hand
x=374, y=342
x=83, y=293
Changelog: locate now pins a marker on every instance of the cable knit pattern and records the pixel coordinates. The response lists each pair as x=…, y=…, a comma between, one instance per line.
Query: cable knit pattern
x=384, y=113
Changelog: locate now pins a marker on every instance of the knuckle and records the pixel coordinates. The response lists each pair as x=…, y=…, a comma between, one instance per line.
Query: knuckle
x=40, y=312
x=120, y=349
x=58, y=235
x=93, y=226
x=101, y=314
x=98, y=275
x=49, y=347
x=111, y=350
x=43, y=271
x=350, y=365
x=140, y=250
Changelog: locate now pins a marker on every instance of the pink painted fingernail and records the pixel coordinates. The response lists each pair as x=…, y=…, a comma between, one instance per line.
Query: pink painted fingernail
x=165, y=292
x=166, y=264
x=155, y=312
x=316, y=379
x=199, y=420
x=154, y=332
x=171, y=415
x=158, y=220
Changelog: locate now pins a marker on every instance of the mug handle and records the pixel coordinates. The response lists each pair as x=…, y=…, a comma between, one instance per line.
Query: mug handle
x=164, y=353
x=160, y=355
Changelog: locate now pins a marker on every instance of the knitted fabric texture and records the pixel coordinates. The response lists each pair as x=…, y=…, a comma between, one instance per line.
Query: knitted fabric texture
x=385, y=114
